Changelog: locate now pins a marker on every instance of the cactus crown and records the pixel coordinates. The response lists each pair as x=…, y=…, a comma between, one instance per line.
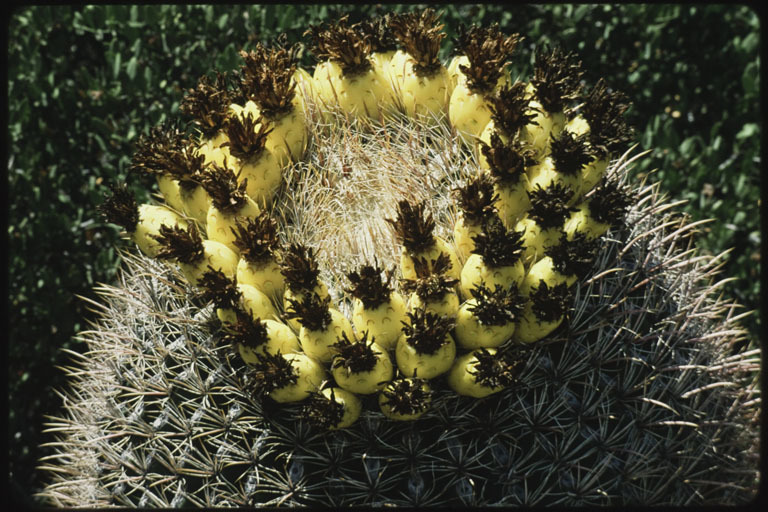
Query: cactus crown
x=426, y=331
x=508, y=161
x=476, y=199
x=498, y=246
x=414, y=226
x=219, y=289
x=369, y=287
x=323, y=412
x=379, y=33
x=227, y=195
x=494, y=369
x=182, y=245
x=604, y=112
x=121, y=208
x=270, y=372
x=420, y=35
x=256, y=238
x=312, y=311
x=208, y=104
x=509, y=109
x=573, y=257
x=549, y=303
x=407, y=396
x=247, y=136
x=349, y=46
x=267, y=77
x=557, y=78
x=246, y=330
x=488, y=51
x=299, y=268
x=355, y=356
x=499, y=306
x=431, y=284
x=570, y=153
x=549, y=206
x=610, y=201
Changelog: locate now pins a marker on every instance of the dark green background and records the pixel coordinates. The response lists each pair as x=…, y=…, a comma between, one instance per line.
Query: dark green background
x=84, y=82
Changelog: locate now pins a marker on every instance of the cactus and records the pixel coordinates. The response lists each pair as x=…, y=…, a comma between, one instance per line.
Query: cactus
x=636, y=398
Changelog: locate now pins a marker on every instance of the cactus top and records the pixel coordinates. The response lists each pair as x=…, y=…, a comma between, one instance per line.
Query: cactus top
x=322, y=411
x=604, y=111
x=609, y=201
x=369, y=287
x=246, y=330
x=573, y=257
x=379, y=33
x=499, y=306
x=494, y=369
x=166, y=151
x=488, y=51
x=408, y=396
x=271, y=371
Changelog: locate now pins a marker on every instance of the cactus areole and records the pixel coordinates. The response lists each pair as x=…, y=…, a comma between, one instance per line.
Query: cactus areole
x=345, y=299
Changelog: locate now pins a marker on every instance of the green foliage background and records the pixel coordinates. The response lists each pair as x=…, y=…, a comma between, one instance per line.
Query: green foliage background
x=85, y=81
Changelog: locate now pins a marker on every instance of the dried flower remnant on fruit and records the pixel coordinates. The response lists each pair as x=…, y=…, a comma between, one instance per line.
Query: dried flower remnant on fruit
x=573, y=257
x=369, y=287
x=508, y=161
x=379, y=33
x=219, y=289
x=427, y=331
x=323, y=412
x=604, y=112
x=570, y=153
x=354, y=356
x=432, y=282
x=476, y=199
x=498, y=246
x=407, y=397
x=246, y=331
x=256, y=238
x=420, y=35
x=121, y=208
x=208, y=104
x=179, y=244
x=549, y=303
x=509, y=109
x=270, y=372
x=549, y=206
x=267, y=74
x=299, y=267
x=167, y=152
x=610, y=201
x=247, y=136
x=414, y=226
x=557, y=78
x=312, y=311
x=349, y=46
x=227, y=195
x=488, y=51
x=500, y=306
x=494, y=370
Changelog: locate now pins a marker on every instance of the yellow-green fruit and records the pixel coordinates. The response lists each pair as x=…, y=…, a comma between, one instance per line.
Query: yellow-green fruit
x=448, y=305
x=476, y=271
x=463, y=231
x=317, y=344
x=471, y=334
x=254, y=302
x=417, y=387
x=543, y=126
x=581, y=221
x=425, y=95
x=469, y=111
x=310, y=376
x=530, y=329
x=350, y=403
x=320, y=289
x=408, y=268
x=288, y=137
x=280, y=338
x=196, y=203
x=264, y=175
x=382, y=65
x=485, y=137
x=454, y=72
x=397, y=73
x=462, y=378
x=264, y=275
x=577, y=126
x=169, y=188
x=544, y=175
x=216, y=255
x=367, y=382
x=544, y=270
x=151, y=217
x=219, y=224
x=357, y=95
x=513, y=201
x=216, y=156
x=305, y=88
x=426, y=366
x=536, y=240
x=382, y=323
x=592, y=173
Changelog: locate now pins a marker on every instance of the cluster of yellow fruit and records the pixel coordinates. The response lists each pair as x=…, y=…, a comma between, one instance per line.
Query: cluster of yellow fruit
x=525, y=232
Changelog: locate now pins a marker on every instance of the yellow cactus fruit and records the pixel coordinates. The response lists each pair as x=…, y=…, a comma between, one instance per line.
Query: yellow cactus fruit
x=546, y=219
x=301, y=273
x=257, y=241
x=332, y=408
x=482, y=372
x=425, y=346
x=488, y=318
x=361, y=366
x=230, y=297
x=476, y=201
x=543, y=313
x=286, y=377
x=321, y=325
x=606, y=206
x=254, y=337
x=565, y=262
x=405, y=399
x=433, y=290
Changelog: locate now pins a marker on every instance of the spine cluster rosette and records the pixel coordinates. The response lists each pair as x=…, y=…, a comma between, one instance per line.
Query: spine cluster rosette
x=392, y=281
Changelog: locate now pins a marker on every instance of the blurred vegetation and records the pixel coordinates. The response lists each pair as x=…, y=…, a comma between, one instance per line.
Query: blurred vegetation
x=85, y=81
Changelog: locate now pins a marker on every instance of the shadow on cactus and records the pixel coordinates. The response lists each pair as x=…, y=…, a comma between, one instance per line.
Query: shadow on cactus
x=342, y=298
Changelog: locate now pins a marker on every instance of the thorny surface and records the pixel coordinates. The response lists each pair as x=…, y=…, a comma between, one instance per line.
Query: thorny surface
x=634, y=399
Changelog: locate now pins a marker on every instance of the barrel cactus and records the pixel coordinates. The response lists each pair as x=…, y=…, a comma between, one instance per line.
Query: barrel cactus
x=588, y=363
